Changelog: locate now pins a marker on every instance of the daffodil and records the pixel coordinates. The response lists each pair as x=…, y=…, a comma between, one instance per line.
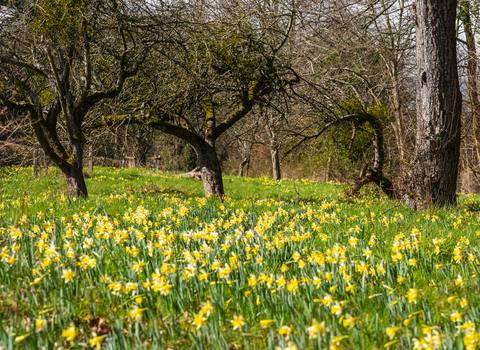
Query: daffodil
x=39, y=324
x=412, y=295
x=96, y=341
x=284, y=330
x=348, y=321
x=37, y=280
x=292, y=286
x=136, y=312
x=70, y=333
x=336, y=309
x=237, y=322
x=207, y=308
x=199, y=320
x=412, y=262
x=391, y=331
x=68, y=275
x=327, y=300
x=316, y=328
x=468, y=325
x=21, y=338
x=451, y=298
x=455, y=316
x=266, y=323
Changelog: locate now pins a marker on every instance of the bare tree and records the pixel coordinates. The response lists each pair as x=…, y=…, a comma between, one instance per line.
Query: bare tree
x=58, y=61
x=213, y=71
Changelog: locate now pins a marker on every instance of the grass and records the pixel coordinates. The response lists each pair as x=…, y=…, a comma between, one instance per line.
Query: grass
x=146, y=262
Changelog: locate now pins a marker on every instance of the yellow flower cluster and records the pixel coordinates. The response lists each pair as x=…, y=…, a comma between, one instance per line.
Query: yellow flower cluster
x=296, y=274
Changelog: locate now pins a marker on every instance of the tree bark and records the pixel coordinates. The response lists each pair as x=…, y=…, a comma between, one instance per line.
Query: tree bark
x=274, y=145
x=75, y=181
x=207, y=155
x=398, y=126
x=90, y=160
x=35, y=162
x=210, y=171
x=242, y=166
x=327, y=171
x=275, y=164
x=246, y=159
x=433, y=180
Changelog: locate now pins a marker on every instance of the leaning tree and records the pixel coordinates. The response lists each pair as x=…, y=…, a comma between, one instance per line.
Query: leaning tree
x=58, y=59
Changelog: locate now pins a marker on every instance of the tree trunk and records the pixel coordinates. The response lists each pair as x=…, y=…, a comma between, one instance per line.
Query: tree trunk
x=275, y=164
x=435, y=168
x=244, y=162
x=375, y=174
x=398, y=116
x=327, y=171
x=75, y=181
x=35, y=162
x=472, y=73
x=210, y=170
x=90, y=160
x=242, y=165
x=246, y=159
x=274, y=146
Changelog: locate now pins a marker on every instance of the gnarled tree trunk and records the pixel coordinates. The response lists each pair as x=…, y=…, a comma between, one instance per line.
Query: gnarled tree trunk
x=434, y=173
x=75, y=182
x=210, y=171
x=375, y=173
x=73, y=171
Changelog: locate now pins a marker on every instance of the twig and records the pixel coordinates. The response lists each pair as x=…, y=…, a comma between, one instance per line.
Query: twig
x=390, y=208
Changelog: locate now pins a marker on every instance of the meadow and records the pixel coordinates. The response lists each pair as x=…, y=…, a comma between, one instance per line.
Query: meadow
x=146, y=262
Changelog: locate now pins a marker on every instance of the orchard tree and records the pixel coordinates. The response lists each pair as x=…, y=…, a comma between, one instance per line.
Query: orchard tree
x=221, y=63
x=58, y=59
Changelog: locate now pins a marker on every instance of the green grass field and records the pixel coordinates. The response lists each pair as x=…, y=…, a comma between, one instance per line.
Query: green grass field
x=146, y=262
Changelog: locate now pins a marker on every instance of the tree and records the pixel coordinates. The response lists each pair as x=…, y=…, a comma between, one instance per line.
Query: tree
x=467, y=14
x=349, y=71
x=439, y=102
x=212, y=72
x=393, y=38
x=58, y=59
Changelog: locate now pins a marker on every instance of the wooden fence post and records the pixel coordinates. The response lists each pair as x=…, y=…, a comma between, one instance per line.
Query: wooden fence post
x=35, y=162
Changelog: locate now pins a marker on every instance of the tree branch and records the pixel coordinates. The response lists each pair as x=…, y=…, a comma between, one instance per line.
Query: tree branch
x=24, y=65
x=156, y=122
x=322, y=130
x=247, y=104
